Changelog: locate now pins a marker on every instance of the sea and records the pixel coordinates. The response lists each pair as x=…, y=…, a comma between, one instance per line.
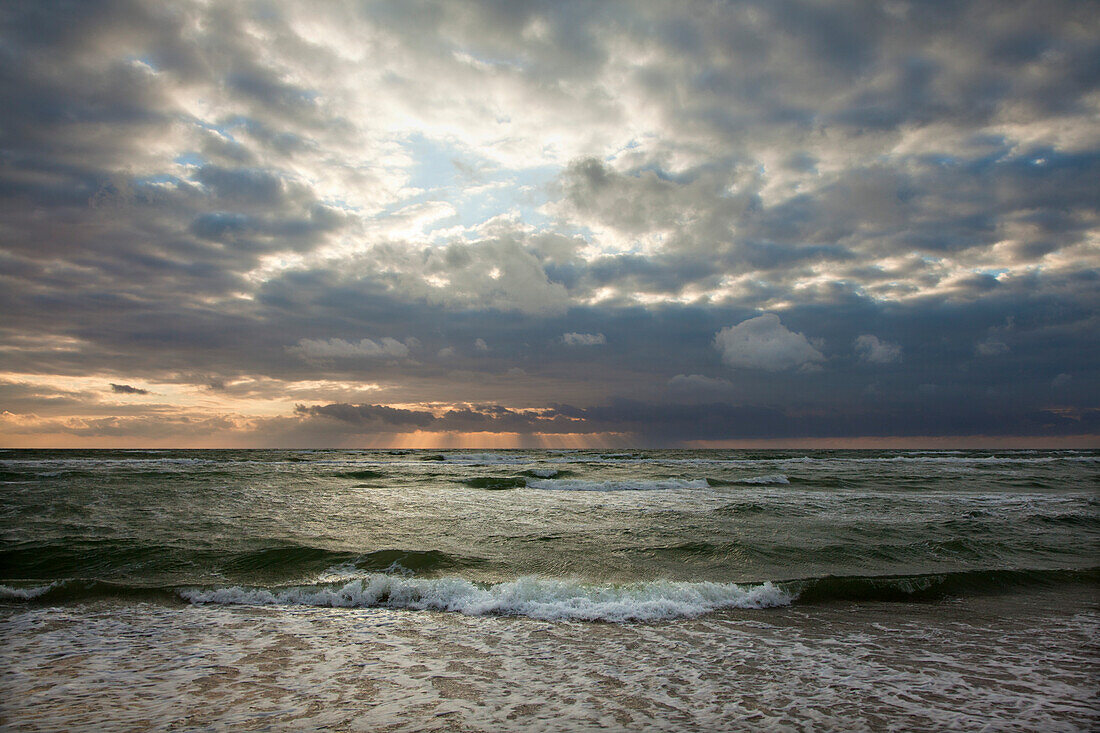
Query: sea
x=549, y=590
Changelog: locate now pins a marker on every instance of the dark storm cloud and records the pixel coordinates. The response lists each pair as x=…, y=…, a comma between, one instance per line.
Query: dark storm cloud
x=195, y=194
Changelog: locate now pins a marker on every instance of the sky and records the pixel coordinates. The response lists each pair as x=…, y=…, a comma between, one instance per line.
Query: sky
x=566, y=224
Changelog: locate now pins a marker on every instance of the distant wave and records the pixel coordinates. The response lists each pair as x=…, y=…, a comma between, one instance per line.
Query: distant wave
x=974, y=459
x=545, y=473
x=298, y=560
x=933, y=586
x=771, y=478
x=483, y=458
x=360, y=474
x=495, y=483
x=108, y=557
x=636, y=485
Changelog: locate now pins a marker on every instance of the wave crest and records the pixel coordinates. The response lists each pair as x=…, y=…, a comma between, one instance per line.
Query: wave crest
x=528, y=596
x=9, y=593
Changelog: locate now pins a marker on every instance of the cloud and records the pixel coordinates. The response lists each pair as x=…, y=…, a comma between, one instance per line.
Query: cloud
x=699, y=387
x=188, y=188
x=872, y=350
x=583, y=339
x=127, y=389
x=662, y=424
x=469, y=418
x=991, y=346
x=340, y=349
x=994, y=343
x=370, y=416
x=480, y=344
x=764, y=343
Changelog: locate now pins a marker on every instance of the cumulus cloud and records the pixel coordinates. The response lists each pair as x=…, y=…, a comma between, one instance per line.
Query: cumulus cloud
x=871, y=349
x=764, y=343
x=490, y=272
x=480, y=344
x=335, y=348
x=583, y=339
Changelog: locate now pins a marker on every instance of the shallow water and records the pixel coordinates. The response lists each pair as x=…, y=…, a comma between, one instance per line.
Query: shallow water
x=1029, y=663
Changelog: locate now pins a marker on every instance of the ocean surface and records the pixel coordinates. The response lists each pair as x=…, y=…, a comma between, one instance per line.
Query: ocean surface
x=549, y=590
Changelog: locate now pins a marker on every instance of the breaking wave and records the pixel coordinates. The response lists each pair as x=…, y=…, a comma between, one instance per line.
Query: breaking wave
x=528, y=596
x=9, y=593
x=551, y=599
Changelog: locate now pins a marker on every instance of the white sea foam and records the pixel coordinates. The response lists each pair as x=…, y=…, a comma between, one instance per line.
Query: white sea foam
x=637, y=485
x=8, y=593
x=829, y=667
x=528, y=596
x=975, y=459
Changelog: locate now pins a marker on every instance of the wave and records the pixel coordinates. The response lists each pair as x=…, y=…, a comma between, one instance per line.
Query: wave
x=686, y=550
x=1066, y=518
x=480, y=458
x=636, y=485
x=495, y=483
x=10, y=593
x=297, y=561
x=115, y=558
x=550, y=599
x=360, y=474
x=974, y=459
x=414, y=561
x=76, y=590
x=931, y=587
x=748, y=508
x=771, y=478
x=546, y=473
x=528, y=596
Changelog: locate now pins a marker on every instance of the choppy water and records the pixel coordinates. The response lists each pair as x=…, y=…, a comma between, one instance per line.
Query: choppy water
x=858, y=587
